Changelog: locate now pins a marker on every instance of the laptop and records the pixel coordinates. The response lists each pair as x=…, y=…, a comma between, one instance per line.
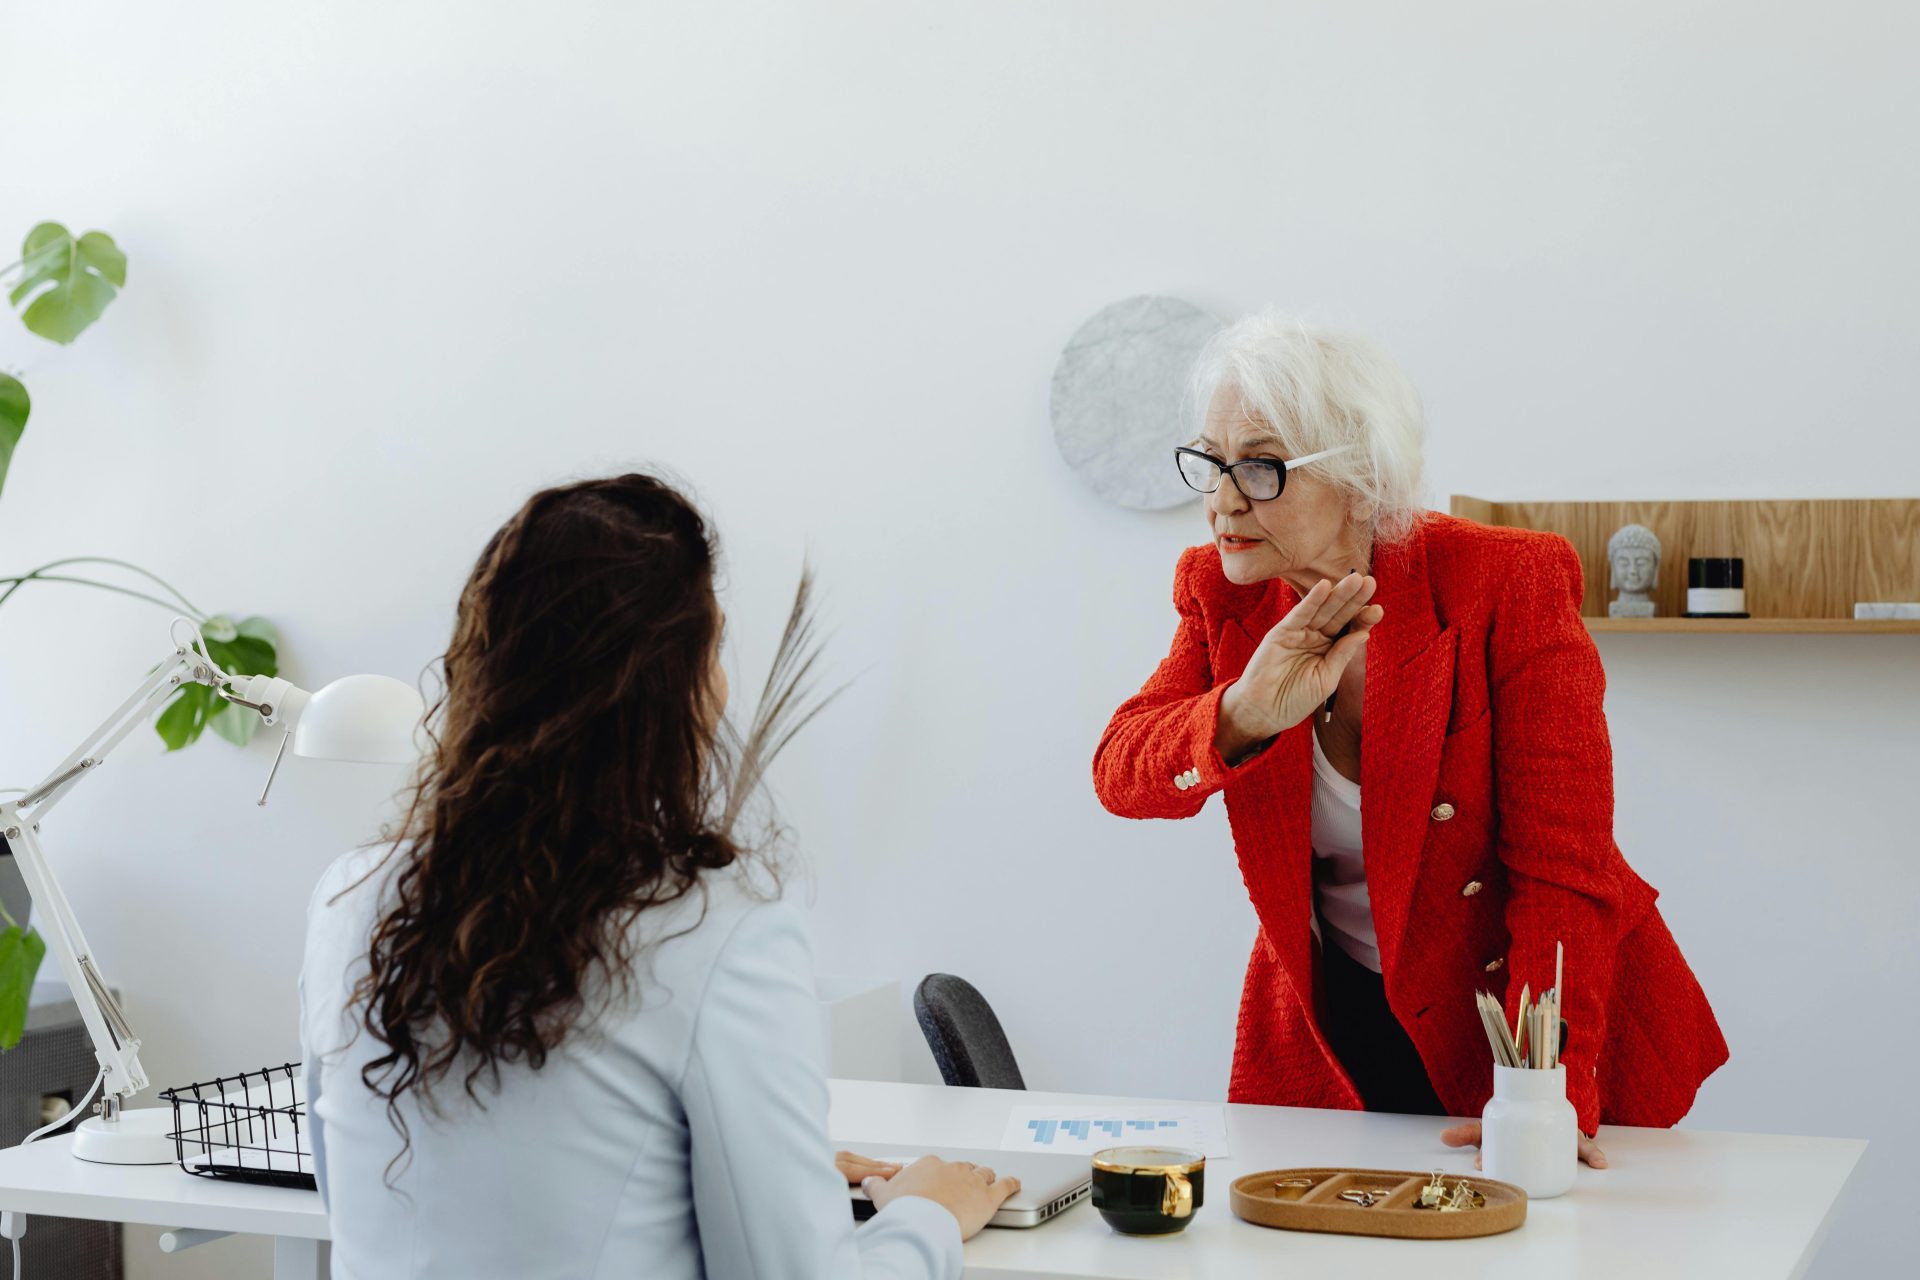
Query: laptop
x=1049, y=1183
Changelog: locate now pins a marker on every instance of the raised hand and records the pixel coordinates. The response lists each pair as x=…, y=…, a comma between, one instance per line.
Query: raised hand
x=1297, y=664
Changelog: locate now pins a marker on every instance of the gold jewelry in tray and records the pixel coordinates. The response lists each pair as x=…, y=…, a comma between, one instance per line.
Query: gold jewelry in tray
x=1379, y=1202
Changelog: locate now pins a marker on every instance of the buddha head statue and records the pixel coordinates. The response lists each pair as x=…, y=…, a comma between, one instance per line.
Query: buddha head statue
x=1633, y=559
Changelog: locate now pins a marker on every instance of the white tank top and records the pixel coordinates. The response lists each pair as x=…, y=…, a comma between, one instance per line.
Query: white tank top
x=1339, y=866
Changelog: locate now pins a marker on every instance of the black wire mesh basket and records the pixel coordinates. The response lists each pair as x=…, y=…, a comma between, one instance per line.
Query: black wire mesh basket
x=248, y=1128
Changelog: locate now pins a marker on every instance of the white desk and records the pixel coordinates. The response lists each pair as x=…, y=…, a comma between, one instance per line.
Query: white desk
x=45, y=1178
x=1675, y=1202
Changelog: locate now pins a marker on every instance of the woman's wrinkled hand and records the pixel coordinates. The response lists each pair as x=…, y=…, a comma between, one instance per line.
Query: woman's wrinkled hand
x=1298, y=663
x=1467, y=1134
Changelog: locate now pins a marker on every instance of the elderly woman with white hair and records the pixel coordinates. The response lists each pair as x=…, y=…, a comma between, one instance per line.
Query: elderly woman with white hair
x=1335, y=638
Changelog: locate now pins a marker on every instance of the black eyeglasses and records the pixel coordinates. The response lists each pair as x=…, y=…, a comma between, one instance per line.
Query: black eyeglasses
x=1259, y=479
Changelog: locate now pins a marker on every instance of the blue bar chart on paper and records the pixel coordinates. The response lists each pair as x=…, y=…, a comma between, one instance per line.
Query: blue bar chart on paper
x=1079, y=1131
x=1044, y=1131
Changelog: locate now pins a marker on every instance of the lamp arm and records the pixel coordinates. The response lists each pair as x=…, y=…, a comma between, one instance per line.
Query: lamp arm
x=183, y=666
x=115, y=1045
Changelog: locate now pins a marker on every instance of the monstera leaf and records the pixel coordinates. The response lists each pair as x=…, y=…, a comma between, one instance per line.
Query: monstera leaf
x=246, y=648
x=21, y=951
x=69, y=281
x=14, y=407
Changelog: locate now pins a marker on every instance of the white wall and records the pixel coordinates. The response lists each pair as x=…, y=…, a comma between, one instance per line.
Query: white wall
x=393, y=265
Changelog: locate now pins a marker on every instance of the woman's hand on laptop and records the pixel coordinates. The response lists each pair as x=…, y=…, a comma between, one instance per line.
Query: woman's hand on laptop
x=857, y=1169
x=971, y=1193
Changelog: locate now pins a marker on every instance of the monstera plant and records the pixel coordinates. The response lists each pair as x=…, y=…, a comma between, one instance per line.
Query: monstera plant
x=64, y=285
x=60, y=285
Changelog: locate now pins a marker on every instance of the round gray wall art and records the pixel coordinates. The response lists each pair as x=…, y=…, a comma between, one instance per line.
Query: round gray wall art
x=1116, y=398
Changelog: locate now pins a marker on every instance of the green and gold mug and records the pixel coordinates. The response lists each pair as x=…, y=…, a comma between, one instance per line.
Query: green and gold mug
x=1148, y=1191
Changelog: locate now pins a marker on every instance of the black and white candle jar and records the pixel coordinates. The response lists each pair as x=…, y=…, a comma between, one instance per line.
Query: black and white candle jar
x=1717, y=587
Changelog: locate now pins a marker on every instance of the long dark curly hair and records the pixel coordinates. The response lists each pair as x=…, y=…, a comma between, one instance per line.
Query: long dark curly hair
x=579, y=774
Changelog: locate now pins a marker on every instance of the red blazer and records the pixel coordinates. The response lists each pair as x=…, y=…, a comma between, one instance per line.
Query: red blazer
x=1487, y=822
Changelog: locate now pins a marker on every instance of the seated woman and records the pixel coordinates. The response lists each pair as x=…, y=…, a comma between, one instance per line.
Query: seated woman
x=1335, y=639
x=552, y=1029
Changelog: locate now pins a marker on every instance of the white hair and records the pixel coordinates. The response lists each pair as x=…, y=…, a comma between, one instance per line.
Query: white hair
x=1318, y=389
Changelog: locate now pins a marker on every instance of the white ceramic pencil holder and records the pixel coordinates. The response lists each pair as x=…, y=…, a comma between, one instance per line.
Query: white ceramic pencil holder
x=1529, y=1134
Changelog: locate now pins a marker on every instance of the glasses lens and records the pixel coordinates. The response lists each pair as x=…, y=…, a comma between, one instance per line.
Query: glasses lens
x=1198, y=472
x=1260, y=480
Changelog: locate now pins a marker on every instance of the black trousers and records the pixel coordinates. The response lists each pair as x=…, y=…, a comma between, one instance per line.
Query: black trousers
x=1369, y=1040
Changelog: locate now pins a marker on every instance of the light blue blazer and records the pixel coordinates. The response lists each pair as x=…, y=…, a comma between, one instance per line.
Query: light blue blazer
x=682, y=1134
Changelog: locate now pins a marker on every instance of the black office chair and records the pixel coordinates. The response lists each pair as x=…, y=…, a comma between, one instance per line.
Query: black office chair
x=966, y=1039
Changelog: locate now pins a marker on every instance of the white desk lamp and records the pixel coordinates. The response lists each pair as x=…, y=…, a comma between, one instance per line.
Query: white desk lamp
x=368, y=718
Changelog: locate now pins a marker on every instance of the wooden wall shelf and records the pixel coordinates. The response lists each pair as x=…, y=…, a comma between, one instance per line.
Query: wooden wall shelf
x=1808, y=561
x=1763, y=626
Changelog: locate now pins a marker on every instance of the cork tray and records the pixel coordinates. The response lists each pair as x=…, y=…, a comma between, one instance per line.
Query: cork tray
x=1318, y=1206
